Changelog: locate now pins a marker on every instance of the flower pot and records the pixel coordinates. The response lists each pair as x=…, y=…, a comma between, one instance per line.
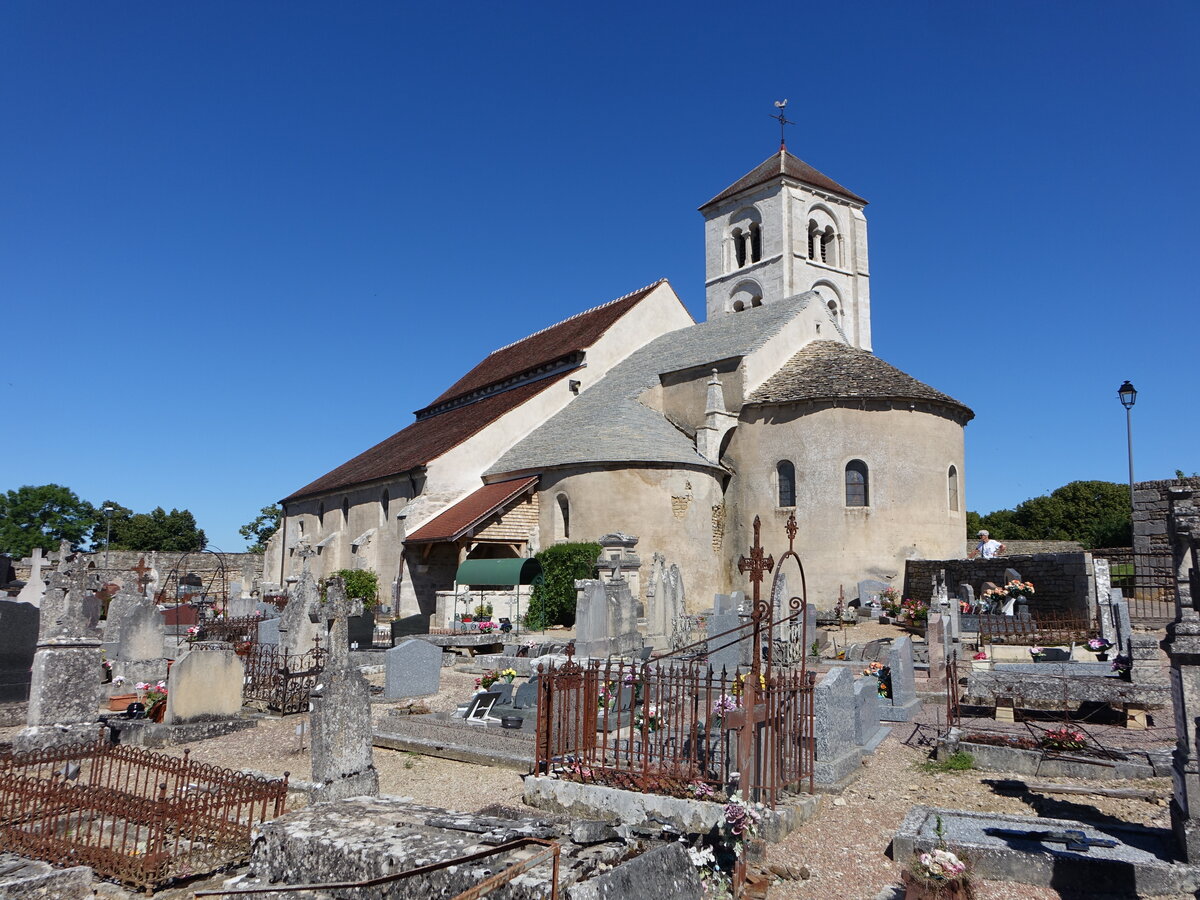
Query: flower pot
x=1101, y=657
x=120, y=702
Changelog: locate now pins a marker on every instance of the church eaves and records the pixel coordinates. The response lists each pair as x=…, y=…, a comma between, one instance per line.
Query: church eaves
x=784, y=165
x=829, y=370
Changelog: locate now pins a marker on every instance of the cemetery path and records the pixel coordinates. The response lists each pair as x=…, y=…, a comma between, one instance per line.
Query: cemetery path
x=844, y=845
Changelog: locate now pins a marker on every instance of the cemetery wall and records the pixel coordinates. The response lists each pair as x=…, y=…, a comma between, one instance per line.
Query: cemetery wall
x=1063, y=582
x=203, y=564
x=1027, y=548
x=1151, y=510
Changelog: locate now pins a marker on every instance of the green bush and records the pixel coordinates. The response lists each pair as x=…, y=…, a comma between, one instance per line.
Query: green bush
x=552, y=602
x=362, y=583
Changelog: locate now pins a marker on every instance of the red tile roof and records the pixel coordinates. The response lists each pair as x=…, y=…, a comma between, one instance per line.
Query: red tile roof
x=784, y=164
x=453, y=523
x=423, y=441
x=569, y=336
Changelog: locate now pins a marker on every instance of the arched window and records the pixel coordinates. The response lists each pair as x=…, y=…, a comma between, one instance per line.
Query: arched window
x=739, y=248
x=858, y=487
x=786, y=473
x=385, y=503
x=755, y=242
x=952, y=487
x=564, y=517
x=822, y=241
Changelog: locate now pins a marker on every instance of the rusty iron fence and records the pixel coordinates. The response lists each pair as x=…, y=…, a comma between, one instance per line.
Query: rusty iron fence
x=1147, y=582
x=140, y=817
x=1044, y=628
x=676, y=725
x=239, y=630
x=279, y=680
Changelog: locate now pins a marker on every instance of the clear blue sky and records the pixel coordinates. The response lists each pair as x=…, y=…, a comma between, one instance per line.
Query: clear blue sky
x=241, y=242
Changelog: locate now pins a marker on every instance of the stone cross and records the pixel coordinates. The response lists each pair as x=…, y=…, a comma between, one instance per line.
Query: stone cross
x=35, y=560
x=338, y=607
x=305, y=551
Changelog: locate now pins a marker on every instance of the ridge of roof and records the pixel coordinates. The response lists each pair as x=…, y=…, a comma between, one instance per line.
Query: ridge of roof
x=783, y=164
x=826, y=370
x=547, y=345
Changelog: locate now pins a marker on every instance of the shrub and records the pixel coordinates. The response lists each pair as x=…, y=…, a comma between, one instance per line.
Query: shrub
x=552, y=602
x=360, y=583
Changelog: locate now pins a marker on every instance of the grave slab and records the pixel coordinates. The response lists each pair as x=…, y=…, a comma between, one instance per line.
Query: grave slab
x=413, y=668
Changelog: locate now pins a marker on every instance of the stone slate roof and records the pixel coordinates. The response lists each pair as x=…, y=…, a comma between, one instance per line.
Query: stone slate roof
x=569, y=336
x=784, y=164
x=826, y=370
x=607, y=424
x=468, y=512
x=439, y=431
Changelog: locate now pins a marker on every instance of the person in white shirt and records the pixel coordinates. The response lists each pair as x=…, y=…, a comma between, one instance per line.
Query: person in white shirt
x=987, y=548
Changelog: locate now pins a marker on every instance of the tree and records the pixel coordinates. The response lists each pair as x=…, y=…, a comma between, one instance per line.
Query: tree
x=155, y=530
x=361, y=584
x=263, y=528
x=1094, y=513
x=553, y=601
x=42, y=516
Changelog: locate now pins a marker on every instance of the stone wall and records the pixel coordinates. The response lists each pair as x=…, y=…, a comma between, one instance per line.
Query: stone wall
x=1151, y=509
x=120, y=563
x=1027, y=548
x=1064, y=582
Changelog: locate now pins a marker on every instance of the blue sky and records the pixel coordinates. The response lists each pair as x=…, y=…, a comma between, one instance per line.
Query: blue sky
x=240, y=243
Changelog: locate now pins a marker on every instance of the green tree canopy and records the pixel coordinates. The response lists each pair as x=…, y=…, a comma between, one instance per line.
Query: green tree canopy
x=41, y=516
x=553, y=601
x=262, y=528
x=1095, y=513
x=155, y=530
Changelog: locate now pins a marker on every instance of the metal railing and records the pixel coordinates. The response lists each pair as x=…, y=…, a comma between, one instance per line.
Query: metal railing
x=140, y=817
x=281, y=680
x=1043, y=628
x=240, y=630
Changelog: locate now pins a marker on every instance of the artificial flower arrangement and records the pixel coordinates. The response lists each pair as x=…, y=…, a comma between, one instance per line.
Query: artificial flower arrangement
x=193, y=634
x=1123, y=666
x=487, y=679
x=1099, y=645
x=508, y=675
x=701, y=790
x=1064, y=738
x=1037, y=652
x=487, y=627
x=1011, y=591
x=938, y=873
x=605, y=697
x=742, y=820
x=722, y=706
x=648, y=717
x=915, y=612
x=981, y=655
x=889, y=599
x=152, y=693
x=739, y=684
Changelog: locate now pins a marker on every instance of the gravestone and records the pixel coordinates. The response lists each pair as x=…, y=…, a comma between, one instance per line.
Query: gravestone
x=342, y=762
x=18, y=643
x=1011, y=575
x=605, y=620
x=903, y=705
x=526, y=696
x=1104, y=610
x=1121, y=621
x=140, y=653
x=619, y=562
x=35, y=586
x=732, y=650
x=665, y=600
x=241, y=603
x=413, y=668
x=866, y=713
x=728, y=604
x=966, y=594
x=65, y=687
x=837, y=754
x=126, y=599
x=268, y=631
x=205, y=686
x=297, y=630
x=869, y=591
x=935, y=640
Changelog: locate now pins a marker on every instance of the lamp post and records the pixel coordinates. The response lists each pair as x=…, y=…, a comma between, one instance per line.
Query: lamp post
x=1128, y=394
x=108, y=511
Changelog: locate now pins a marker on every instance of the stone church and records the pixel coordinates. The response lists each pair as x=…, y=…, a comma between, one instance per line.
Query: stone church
x=632, y=417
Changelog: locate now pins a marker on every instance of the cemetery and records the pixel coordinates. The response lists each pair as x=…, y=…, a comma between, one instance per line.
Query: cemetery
x=650, y=722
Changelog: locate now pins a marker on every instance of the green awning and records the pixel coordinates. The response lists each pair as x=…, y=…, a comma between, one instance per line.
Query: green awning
x=498, y=571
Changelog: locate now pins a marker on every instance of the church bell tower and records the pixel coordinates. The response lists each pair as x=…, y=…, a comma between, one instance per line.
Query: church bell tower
x=781, y=230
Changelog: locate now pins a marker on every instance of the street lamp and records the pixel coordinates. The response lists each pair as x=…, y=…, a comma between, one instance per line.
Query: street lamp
x=1128, y=394
x=108, y=511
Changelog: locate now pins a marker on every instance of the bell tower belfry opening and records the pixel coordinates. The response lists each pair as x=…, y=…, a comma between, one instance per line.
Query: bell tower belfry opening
x=781, y=230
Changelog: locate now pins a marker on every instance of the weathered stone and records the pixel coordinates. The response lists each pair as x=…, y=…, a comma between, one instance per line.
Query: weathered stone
x=205, y=686
x=413, y=668
x=665, y=873
x=27, y=879
x=837, y=755
x=903, y=705
x=18, y=643
x=592, y=831
x=606, y=620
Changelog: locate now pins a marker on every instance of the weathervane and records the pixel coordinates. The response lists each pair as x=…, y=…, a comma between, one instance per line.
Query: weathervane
x=783, y=120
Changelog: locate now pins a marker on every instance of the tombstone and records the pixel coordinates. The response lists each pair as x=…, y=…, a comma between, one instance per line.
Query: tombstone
x=65, y=687
x=140, y=652
x=966, y=594
x=903, y=704
x=1121, y=622
x=18, y=643
x=240, y=604
x=619, y=562
x=297, y=630
x=665, y=601
x=413, y=668
x=837, y=754
x=342, y=763
x=866, y=714
x=940, y=593
x=728, y=604
x=268, y=631
x=526, y=696
x=1104, y=610
x=35, y=586
x=605, y=619
x=935, y=639
x=1011, y=575
x=125, y=600
x=205, y=686
x=732, y=650
x=869, y=591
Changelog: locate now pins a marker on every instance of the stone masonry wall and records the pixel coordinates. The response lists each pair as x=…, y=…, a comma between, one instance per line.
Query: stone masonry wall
x=1151, y=510
x=203, y=564
x=1065, y=583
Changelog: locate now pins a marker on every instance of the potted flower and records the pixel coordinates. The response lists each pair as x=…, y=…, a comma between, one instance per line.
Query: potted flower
x=649, y=718
x=483, y=612
x=1100, y=647
x=722, y=707
x=487, y=626
x=1123, y=666
x=487, y=679
x=193, y=634
x=156, y=701
x=1037, y=653
x=120, y=702
x=937, y=875
x=508, y=675
x=1063, y=738
x=980, y=660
